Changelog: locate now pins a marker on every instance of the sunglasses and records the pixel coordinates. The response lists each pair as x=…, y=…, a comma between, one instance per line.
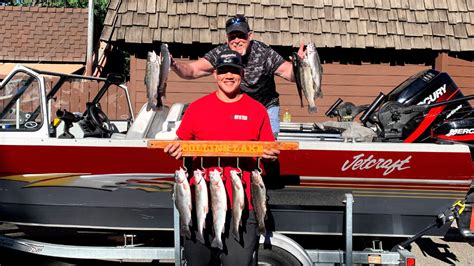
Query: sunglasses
x=235, y=20
x=225, y=70
x=237, y=34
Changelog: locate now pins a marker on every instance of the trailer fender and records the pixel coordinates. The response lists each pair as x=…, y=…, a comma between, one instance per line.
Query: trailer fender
x=287, y=244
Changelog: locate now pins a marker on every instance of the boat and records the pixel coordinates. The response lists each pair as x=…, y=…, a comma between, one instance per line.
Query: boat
x=69, y=166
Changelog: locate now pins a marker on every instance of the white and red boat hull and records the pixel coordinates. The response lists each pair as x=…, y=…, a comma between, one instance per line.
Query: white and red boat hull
x=121, y=185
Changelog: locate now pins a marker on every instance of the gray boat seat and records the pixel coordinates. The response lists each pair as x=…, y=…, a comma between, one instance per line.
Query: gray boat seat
x=171, y=123
x=144, y=121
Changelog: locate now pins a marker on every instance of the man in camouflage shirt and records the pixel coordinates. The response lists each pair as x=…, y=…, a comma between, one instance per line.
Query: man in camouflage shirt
x=260, y=62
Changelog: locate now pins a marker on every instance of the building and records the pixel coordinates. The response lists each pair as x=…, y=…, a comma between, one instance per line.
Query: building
x=52, y=39
x=367, y=46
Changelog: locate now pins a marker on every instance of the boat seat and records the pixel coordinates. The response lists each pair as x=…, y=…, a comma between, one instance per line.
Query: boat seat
x=142, y=123
x=171, y=123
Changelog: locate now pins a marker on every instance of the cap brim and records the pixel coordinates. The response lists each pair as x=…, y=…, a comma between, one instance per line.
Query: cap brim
x=240, y=28
x=231, y=65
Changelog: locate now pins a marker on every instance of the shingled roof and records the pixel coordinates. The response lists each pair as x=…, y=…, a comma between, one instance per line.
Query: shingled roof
x=43, y=34
x=400, y=24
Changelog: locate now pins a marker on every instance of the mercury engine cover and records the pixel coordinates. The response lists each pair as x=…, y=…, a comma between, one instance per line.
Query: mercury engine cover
x=427, y=87
x=459, y=130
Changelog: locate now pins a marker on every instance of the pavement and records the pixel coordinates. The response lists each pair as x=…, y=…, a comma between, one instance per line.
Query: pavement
x=432, y=251
x=450, y=250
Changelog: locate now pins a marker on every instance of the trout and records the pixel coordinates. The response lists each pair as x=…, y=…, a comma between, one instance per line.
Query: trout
x=152, y=79
x=164, y=72
x=308, y=75
x=259, y=200
x=202, y=203
x=219, y=207
x=182, y=200
x=238, y=202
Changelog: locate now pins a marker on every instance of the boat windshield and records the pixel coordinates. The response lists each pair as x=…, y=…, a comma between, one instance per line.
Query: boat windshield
x=73, y=94
x=19, y=98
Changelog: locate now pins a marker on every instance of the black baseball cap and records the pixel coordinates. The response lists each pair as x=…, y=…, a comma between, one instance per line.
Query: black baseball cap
x=237, y=23
x=229, y=58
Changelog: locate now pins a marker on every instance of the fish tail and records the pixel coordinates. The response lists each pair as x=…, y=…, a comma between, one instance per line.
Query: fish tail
x=185, y=231
x=235, y=232
x=312, y=109
x=151, y=106
x=217, y=243
x=261, y=229
x=200, y=237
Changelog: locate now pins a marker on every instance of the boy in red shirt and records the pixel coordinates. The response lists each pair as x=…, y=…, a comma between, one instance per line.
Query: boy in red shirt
x=226, y=114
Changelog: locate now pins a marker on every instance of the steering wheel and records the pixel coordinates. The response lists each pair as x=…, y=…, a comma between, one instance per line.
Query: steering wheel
x=100, y=119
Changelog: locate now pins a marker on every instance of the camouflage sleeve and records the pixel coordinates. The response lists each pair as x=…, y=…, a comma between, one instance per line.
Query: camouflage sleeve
x=274, y=59
x=212, y=55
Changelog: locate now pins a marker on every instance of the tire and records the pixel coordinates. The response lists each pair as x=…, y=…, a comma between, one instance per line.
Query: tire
x=276, y=256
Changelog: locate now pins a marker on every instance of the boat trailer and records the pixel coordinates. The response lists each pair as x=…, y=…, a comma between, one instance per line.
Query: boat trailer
x=133, y=252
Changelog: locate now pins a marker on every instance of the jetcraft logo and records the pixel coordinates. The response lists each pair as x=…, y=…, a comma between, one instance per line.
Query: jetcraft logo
x=460, y=131
x=434, y=96
x=360, y=163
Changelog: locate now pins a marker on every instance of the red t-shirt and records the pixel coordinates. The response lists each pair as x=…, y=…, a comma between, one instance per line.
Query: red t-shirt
x=209, y=118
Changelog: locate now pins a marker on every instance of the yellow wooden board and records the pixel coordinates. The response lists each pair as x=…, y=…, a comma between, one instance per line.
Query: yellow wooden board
x=225, y=148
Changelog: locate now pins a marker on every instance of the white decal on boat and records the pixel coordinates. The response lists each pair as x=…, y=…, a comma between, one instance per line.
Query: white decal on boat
x=460, y=131
x=361, y=163
x=434, y=96
x=454, y=111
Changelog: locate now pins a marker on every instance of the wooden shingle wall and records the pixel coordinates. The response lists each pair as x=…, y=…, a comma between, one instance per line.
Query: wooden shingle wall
x=398, y=24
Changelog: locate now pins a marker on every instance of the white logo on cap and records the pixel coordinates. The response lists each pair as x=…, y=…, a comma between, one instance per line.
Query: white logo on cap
x=228, y=56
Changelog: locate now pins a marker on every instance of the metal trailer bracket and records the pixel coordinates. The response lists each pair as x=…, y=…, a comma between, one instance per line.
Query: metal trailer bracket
x=118, y=253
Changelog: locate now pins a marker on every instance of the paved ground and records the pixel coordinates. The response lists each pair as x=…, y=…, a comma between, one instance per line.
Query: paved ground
x=443, y=251
x=450, y=250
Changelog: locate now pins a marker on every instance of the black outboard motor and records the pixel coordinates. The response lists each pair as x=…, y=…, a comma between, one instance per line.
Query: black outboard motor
x=459, y=130
x=399, y=123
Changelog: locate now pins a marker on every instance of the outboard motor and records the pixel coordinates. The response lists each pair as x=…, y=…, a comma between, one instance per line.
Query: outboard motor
x=401, y=120
x=459, y=130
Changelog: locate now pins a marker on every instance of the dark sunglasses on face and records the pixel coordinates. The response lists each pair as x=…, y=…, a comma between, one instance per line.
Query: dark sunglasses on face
x=239, y=35
x=225, y=70
x=232, y=21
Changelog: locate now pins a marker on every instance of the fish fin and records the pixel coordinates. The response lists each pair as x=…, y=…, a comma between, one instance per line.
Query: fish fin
x=217, y=243
x=163, y=100
x=313, y=109
x=151, y=106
